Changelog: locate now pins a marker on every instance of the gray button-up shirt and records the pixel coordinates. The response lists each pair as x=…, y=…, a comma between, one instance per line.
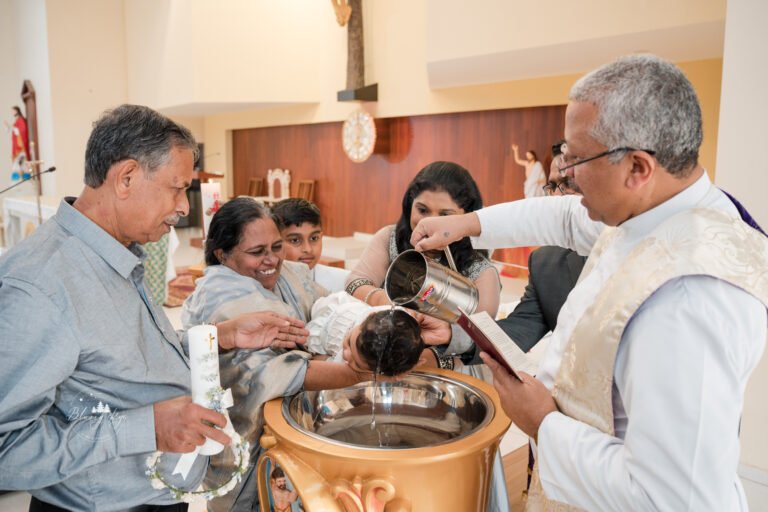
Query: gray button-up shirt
x=84, y=354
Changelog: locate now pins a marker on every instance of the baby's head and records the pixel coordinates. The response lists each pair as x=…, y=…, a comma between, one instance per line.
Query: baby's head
x=390, y=340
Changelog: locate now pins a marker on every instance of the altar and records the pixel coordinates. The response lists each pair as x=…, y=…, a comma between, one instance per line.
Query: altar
x=20, y=216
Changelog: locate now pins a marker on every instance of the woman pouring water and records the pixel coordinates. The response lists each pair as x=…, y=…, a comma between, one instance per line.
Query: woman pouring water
x=440, y=188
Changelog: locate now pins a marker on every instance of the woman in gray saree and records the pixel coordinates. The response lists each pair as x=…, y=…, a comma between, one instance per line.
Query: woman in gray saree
x=246, y=272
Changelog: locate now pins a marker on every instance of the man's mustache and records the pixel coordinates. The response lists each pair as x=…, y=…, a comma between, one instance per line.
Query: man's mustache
x=173, y=219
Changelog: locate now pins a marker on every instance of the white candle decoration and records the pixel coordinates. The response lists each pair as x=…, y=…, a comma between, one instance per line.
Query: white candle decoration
x=211, y=201
x=206, y=381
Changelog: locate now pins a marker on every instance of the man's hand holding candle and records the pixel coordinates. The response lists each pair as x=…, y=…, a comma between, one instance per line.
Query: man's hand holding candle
x=181, y=425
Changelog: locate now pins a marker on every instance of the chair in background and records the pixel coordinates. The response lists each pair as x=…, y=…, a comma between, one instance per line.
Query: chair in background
x=255, y=186
x=306, y=190
x=275, y=178
x=281, y=177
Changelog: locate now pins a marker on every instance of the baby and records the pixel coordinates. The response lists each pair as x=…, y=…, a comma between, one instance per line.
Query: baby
x=381, y=339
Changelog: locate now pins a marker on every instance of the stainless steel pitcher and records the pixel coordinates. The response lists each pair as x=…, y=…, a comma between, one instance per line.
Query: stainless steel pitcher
x=418, y=282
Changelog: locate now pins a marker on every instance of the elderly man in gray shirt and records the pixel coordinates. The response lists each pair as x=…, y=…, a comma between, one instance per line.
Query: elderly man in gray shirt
x=92, y=374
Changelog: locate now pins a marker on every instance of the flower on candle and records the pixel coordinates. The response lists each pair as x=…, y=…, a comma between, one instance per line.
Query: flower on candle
x=215, y=399
x=208, y=357
x=241, y=450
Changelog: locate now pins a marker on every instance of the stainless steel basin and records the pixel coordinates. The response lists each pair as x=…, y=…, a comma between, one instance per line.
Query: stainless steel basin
x=421, y=410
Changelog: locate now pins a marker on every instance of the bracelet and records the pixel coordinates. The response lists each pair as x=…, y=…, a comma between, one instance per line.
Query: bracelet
x=370, y=294
x=357, y=283
x=437, y=355
x=443, y=362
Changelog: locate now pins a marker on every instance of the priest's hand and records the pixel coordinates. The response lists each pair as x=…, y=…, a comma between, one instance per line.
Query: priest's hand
x=433, y=330
x=526, y=403
x=181, y=425
x=260, y=330
x=432, y=233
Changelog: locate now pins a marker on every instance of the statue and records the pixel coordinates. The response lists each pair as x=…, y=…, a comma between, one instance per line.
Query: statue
x=343, y=11
x=19, y=146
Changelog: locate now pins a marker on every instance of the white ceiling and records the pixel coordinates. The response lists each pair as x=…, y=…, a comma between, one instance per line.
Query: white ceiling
x=679, y=44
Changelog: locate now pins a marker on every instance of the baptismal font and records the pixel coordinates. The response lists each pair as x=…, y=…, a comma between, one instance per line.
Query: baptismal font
x=432, y=445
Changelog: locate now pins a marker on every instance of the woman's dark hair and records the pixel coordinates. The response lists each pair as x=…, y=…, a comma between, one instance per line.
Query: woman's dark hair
x=390, y=342
x=456, y=182
x=18, y=111
x=535, y=156
x=228, y=223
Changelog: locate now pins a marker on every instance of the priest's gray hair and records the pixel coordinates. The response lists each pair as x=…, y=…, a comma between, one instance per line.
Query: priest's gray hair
x=132, y=132
x=645, y=102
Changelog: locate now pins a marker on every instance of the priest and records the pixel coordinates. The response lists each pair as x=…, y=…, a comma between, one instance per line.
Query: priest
x=636, y=405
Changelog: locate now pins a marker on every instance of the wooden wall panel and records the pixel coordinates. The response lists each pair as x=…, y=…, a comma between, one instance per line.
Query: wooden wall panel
x=366, y=196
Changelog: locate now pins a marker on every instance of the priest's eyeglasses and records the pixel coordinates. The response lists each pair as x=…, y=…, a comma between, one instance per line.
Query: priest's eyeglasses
x=569, y=162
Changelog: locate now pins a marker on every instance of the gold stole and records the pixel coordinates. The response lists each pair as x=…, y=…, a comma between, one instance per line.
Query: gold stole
x=695, y=242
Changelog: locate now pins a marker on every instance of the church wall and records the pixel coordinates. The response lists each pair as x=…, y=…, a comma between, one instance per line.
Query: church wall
x=281, y=50
x=396, y=54
x=366, y=196
x=88, y=75
x=158, y=49
x=459, y=29
x=313, y=150
x=396, y=59
x=195, y=124
x=10, y=83
x=237, y=52
x=32, y=61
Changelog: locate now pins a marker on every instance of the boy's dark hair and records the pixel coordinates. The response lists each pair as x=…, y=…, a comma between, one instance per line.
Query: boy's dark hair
x=295, y=211
x=390, y=342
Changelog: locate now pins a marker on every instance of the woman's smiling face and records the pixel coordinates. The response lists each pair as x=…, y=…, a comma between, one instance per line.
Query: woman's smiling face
x=259, y=254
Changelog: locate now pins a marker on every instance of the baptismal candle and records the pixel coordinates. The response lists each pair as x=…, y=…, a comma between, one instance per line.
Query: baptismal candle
x=204, y=364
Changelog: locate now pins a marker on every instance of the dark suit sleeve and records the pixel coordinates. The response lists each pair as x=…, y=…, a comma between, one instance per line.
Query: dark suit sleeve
x=525, y=325
x=553, y=274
